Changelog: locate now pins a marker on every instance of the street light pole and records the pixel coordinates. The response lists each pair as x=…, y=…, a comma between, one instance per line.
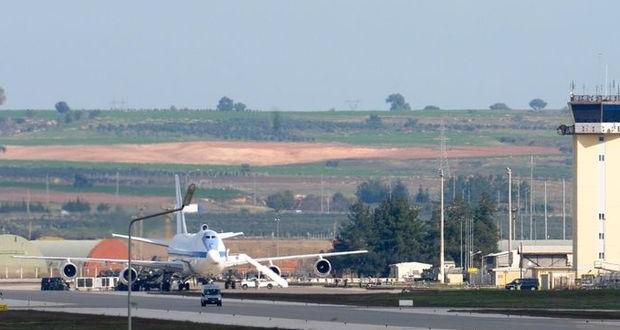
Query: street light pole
x=441, y=252
x=277, y=220
x=186, y=201
x=509, y=210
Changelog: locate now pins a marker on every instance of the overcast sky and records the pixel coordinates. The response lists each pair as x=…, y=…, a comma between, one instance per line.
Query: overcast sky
x=303, y=55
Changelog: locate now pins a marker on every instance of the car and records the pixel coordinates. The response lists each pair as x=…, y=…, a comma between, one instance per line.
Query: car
x=211, y=295
x=257, y=283
x=523, y=284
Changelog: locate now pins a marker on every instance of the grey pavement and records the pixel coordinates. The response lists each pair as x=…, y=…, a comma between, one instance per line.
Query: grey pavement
x=290, y=315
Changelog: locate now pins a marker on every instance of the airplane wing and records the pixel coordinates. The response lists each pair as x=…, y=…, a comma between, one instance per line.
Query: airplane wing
x=315, y=255
x=228, y=235
x=168, y=265
x=145, y=240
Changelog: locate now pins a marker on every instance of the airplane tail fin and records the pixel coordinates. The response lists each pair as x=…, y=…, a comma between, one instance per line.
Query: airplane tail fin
x=181, y=226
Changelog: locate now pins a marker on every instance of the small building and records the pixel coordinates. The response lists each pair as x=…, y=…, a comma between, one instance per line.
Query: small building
x=407, y=271
x=550, y=262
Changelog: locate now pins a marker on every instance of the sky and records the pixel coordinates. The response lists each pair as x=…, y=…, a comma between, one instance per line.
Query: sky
x=303, y=55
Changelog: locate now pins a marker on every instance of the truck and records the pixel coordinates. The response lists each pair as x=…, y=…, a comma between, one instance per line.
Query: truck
x=53, y=283
x=211, y=295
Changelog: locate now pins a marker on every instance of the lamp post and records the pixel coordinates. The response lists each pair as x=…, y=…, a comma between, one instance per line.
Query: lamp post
x=509, y=211
x=277, y=221
x=441, y=248
x=186, y=201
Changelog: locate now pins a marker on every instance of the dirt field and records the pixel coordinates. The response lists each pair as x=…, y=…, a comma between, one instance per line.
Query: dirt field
x=254, y=153
x=21, y=194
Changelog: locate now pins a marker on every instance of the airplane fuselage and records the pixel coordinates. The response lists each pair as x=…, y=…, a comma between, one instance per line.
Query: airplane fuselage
x=202, y=254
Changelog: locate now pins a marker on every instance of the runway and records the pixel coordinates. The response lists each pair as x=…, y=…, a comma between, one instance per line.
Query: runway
x=284, y=314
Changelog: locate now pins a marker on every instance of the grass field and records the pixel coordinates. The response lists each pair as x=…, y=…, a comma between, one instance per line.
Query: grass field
x=492, y=126
x=486, y=298
x=37, y=320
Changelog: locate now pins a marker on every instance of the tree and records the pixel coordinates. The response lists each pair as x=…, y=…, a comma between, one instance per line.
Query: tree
x=391, y=233
x=2, y=96
x=372, y=191
x=397, y=102
x=81, y=181
x=537, y=104
x=499, y=106
x=339, y=203
x=240, y=107
x=225, y=104
x=62, y=107
x=399, y=190
x=431, y=107
x=281, y=200
x=276, y=122
x=374, y=121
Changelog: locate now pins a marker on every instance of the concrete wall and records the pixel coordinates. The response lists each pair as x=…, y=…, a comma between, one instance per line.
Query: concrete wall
x=596, y=191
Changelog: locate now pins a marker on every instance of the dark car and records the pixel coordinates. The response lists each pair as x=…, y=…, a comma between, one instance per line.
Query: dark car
x=54, y=283
x=523, y=284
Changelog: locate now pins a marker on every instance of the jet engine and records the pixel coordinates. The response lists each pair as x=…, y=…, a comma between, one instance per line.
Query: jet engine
x=275, y=269
x=124, y=275
x=322, y=267
x=68, y=270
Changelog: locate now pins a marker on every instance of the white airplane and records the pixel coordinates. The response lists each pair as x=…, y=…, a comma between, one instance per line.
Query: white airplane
x=201, y=255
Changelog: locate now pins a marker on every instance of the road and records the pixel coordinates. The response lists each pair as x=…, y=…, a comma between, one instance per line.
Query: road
x=427, y=318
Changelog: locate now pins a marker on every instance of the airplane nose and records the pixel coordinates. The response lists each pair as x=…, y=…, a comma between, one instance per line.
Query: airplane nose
x=213, y=256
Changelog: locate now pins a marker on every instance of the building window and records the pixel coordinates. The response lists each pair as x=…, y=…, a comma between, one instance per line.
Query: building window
x=601, y=235
x=601, y=158
x=601, y=216
x=600, y=138
x=601, y=255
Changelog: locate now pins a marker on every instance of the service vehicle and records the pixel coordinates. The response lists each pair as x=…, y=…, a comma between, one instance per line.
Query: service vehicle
x=523, y=284
x=54, y=283
x=211, y=294
x=257, y=283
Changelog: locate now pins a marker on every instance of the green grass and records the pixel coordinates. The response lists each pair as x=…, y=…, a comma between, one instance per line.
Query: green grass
x=81, y=132
x=491, y=298
x=215, y=193
x=35, y=320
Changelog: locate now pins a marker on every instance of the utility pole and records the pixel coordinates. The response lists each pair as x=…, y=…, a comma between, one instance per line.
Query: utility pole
x=531, y=195
x=519, y=213
x=499, y=221
x=29, y=217
x=509, y=209
x=563, y=209
x=47, y=191
x=441, y=256
x=277, y=221
x=546, y=234
x=322, y=196
x=117, y=185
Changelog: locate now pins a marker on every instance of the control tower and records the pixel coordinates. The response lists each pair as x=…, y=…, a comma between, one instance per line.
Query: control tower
x=596, y=182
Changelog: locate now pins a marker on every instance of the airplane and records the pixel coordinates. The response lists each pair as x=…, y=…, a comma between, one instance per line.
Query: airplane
x=199, y=255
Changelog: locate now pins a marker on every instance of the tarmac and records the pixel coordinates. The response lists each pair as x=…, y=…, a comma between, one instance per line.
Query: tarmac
x=288, y=315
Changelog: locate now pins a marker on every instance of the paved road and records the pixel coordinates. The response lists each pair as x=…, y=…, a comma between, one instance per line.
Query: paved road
x=422, y=318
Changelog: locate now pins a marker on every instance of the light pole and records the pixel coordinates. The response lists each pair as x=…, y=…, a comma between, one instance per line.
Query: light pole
x=186, y=201
x=441, y=256
x=277, y=221
x=509, y=211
